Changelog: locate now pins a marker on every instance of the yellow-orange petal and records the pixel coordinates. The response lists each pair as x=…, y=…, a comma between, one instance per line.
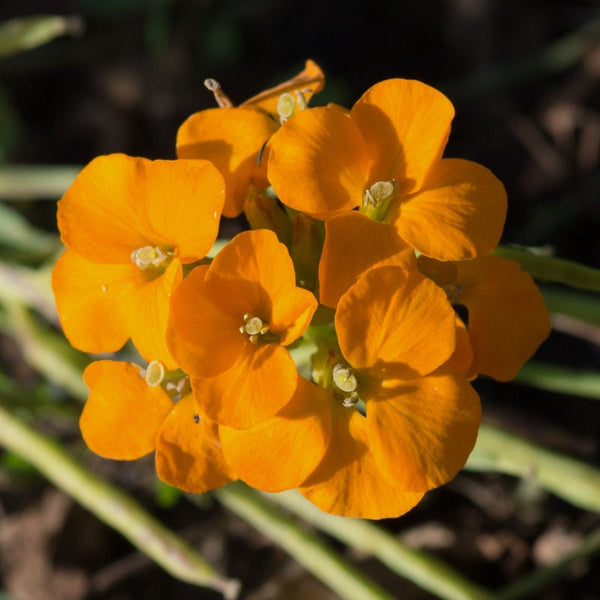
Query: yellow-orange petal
x=122, y=416
x=508, y=319
x=353, y=244
x=146, y=306
x=260, y=382
x=89, y=297
x=184, y=200
x=188, y=451
x=102, y=215
x=317, y=162
x=280, y=453
x=310, y=81
x=204, y=339
x=462, y=359
x=232, y=139
x=422, y=430
x=395, y=323
x=348, y=482
x=405, y=125
x=458, y=215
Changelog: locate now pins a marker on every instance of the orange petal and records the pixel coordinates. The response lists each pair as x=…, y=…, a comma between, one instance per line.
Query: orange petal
x=459, y=213
x=184, y=199
x=232, y=139
x=281, y=452
x=146, y=306
x=317, y=162
x=348, y=481
x=101, y=306
x=310, y=81
x=353, y=244
x=204, y=339
x=88, y=298
x=422, y=430
x=395, y=323
x=188, y=451
x=462, y=359
x=508, y=319
x=260, y=383
x=123, y=415
x=405, y=125
x=102, y=215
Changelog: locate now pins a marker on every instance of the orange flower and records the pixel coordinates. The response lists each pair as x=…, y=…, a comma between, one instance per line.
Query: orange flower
x=229, y=326
x=507, y=317
x=129, y=224
x=396, y=329
x=385, y=157
x=126, y=418
x=398, y=353
x=234, y=138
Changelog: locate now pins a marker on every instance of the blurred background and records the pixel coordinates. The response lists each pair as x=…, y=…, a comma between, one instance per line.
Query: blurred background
x=524, y=77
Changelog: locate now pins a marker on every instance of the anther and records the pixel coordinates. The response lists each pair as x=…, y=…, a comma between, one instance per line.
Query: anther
x=453, y=292
x=155, y=373
x=220, y=97
x=286, y=107
x=149, y=256
x=253, y=327
x=379, y=192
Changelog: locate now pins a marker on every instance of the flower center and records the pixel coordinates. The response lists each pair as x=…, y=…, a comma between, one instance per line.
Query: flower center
x=254, y=327
x=150, y=256
x=345, y=380
x=377, y=198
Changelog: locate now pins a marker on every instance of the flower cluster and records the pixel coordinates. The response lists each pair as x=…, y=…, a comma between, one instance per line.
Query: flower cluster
x=321, y=349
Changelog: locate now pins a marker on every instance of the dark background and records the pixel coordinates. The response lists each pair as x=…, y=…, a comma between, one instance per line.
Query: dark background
x=525, y=80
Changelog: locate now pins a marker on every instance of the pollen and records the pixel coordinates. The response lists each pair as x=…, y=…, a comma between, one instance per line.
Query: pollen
x=377, y=198
x=149, y=256
x=286, y=107
x=253, y=327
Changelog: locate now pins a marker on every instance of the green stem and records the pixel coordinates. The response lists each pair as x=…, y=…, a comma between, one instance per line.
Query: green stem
x=306, y=548
x=528, y=585
x=503, y=452
x=424, y=570
x=552, y=269
x=575, y=382
x=114, y=508
x=584, y=307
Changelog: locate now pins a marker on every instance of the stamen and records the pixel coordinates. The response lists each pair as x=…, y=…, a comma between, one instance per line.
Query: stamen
x=253, y=327
x=345, y=380
x=220, y=97
x=286, y=107
x=149, y=256
x=377, y=198
x=155, y=373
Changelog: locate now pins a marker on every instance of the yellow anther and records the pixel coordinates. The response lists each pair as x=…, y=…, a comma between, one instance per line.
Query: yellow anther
x=149, y=256
x=286, y=107
x=254, y=327
x=155, y=373
x=344, y=378
x=379, y=192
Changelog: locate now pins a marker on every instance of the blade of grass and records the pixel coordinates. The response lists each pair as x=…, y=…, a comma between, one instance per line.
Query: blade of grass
x=112, y=506
x=18, y=35
x=568, y=478
x=552, y=269
x=584, y=307
x=32, y=182
x=554, y=378
x=422, y=569
x=17, y=233
x=305, y=547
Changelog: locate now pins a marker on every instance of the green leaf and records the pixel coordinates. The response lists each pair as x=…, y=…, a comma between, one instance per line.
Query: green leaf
x=553, y=378
x=26, y=33
x=552, y=269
